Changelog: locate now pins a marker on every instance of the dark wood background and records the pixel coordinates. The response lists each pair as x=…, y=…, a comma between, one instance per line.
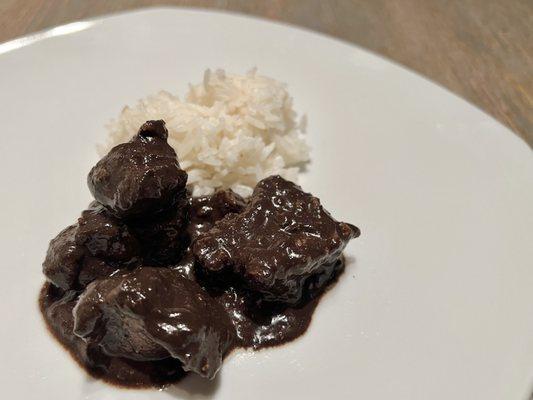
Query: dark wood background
x=481, y=50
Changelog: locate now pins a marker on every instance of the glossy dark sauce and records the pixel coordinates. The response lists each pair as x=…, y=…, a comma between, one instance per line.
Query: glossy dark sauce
x=265, y=325
x=150, y=283
x=258, y=324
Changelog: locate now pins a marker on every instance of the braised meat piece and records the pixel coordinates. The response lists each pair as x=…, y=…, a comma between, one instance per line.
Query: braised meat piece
x=57, y=307
x=140, y=177
x=154, y=313
x=94, y=247
x=105, y=236
x=63, y=258
x=281, y=239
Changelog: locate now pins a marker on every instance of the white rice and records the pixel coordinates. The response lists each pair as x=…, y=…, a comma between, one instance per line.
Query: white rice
x=230, y=132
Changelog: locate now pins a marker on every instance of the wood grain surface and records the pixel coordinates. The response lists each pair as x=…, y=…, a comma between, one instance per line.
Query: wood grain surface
x=481, y=50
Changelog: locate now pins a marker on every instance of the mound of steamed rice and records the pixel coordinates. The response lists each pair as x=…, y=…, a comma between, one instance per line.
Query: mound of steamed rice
x=230, y=132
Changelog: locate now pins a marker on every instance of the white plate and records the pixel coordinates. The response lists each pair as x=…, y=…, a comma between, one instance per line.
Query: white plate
x=436, y=302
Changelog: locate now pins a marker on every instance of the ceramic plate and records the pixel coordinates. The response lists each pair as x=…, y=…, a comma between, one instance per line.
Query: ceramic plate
x=436, y=302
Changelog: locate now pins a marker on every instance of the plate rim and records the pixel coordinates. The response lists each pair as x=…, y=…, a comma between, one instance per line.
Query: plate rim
x=79, y=25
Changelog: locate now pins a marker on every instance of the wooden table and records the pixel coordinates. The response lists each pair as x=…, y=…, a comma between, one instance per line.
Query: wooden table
x=480, y=49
